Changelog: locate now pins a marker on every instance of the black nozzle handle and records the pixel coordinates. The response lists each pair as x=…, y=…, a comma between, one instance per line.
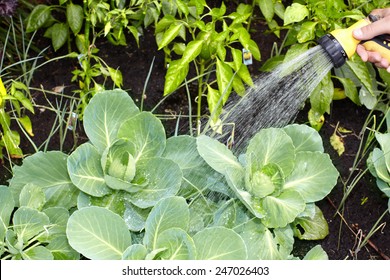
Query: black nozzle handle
x=334, y=49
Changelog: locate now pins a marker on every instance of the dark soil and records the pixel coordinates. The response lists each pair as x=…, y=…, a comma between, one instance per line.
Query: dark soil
x=347, y=229
x=365, y=204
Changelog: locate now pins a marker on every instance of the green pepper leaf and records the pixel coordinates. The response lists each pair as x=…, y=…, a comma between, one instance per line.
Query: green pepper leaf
x=350, y=89
x=26, y=123
x=169, y=35
x=38, y=17
x=192, y=50
x=362, y=73
x=295, y=13
x=176, y=74
x=60, y=32
x=116, y=76
x=75, y=17
x=307, y=32
x=237, y=59
x=224, y=79
x=322, y=96
x=214, y=102
x=267, y=9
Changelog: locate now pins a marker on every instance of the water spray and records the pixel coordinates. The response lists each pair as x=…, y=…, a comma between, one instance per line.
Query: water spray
x=270, y=102
x=340, y=44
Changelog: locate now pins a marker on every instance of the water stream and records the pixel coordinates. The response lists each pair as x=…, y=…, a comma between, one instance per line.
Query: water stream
x=276, y=97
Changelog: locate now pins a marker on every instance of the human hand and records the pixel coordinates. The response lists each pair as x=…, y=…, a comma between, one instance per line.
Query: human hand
x=379, y=27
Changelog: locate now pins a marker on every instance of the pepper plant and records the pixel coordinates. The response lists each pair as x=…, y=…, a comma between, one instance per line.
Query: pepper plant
x=16, y=72
x=271, y=9
x=83, y=24
x=17, y=95
x=81, y=20
x=213, y=45
x=19, y=60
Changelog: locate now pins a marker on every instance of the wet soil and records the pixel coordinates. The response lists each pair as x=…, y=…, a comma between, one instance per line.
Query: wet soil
x=347, y=228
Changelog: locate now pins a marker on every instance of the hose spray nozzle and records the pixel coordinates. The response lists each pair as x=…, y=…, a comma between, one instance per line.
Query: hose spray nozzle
x=341, y=45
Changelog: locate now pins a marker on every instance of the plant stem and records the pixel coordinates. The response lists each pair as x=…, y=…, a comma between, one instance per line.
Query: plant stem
x=343, y=220
x=146, y=84
x=200, y=93
x=364, y=147
x=189, y=107
x=27, y=4
x=374, y=229
x=87, y=25
x=250, y=18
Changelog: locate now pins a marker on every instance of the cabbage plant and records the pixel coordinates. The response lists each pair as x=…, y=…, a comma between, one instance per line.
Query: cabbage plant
x=282, y=174
x=33, y=231
x=130, y=193
x=101, y=234
x=123, y=159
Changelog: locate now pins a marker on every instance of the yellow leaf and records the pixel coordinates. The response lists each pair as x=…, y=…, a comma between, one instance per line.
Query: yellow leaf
x=343, y=130
x=339, y=94
x=3, y=92
x=316, y=120
x=337, y=143
x=26, y=123
x=107, y=28
x=216, y=126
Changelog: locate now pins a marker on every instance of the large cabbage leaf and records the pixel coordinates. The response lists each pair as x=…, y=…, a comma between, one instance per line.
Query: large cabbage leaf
x=271, y=145
x=219, y=243
x=217, y=155
x=168, y=213
x=105, y=113
x=86, y=172
x=305, y=138
x=146, y=133
x=49, y=172
x=98, y=233
x=313, y=177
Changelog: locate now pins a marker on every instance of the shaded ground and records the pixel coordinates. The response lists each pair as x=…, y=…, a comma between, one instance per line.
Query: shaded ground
x=363, y=207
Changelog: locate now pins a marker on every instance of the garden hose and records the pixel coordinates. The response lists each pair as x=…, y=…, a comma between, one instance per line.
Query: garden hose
x=341, y=45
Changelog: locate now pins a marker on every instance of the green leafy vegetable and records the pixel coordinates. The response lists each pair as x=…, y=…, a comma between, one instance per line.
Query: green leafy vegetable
x=8, y=204
x=140, y=196
x=279, y=176
x=98, y=233
x=295, y=13
x=124, y=155
x=169, y=213
x=106, y=114
x=49, y=172
x=316, y=253
x=85, y=170
x=219, y=243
